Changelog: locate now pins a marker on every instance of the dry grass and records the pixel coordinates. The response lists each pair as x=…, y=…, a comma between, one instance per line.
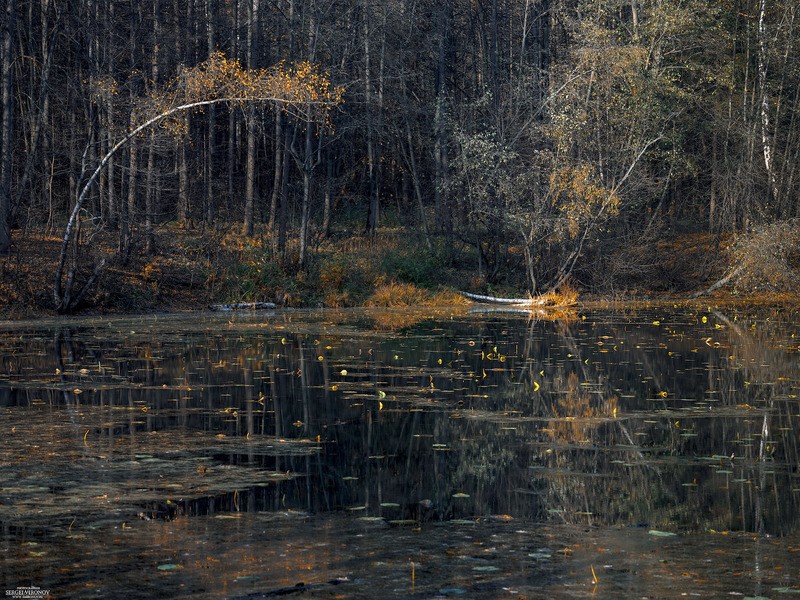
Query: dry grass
x=194, y=268
x=394, y=294
x=769, y=259
x=566, y=295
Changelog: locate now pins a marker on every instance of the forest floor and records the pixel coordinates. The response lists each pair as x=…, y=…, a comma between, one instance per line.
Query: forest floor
x=194, y=269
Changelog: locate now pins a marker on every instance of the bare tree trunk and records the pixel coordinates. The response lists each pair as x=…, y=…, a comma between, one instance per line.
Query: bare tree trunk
x=113, y=216
x=249, y=200
x=278, y=169
x=129, y=208
x=305, y=210
x=37, y=124
x=210, y=211
x=374, y=124
x=250, y=176
x=762, y=80
x=371, y=158
x=412, y=166
x=183, y=185
x=108, y=138
x=442, y=212
x=327, y=207
x=149, y=204
x=283, y=211
x=232, y=141
x=6, y=125
x=308, y=165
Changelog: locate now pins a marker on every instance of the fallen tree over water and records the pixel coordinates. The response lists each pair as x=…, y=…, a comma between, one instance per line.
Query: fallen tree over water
x=566, y=297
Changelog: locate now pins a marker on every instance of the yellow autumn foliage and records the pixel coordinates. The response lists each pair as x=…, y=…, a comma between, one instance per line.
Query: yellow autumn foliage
x=303, y=88
x=576, y=193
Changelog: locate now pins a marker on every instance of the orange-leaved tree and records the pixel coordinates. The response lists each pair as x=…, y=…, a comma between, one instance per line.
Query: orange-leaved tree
x=303, y=88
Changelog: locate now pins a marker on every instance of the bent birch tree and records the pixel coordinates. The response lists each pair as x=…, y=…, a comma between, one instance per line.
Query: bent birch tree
x=218, y=80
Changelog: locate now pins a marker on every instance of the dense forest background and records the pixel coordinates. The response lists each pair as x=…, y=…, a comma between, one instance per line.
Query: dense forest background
x=526, y=142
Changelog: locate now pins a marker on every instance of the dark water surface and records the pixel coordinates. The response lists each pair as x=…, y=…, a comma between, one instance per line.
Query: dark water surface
x=356, y=454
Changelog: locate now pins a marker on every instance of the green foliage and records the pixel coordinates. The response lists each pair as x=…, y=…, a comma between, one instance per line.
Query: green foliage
x=344, y=279
x=417, y=266
x=254, y=282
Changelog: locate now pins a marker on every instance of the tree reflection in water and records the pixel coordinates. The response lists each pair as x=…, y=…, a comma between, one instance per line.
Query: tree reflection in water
x=664, y=420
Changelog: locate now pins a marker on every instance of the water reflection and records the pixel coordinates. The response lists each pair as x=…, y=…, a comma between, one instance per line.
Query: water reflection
x=671, y=420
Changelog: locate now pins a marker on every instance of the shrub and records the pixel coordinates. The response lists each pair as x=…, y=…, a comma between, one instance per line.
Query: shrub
x=421, y=267
x=768, y=259
x=344, y=279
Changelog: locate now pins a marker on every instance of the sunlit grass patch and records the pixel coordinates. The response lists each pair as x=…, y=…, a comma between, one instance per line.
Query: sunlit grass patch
x=566, y=295
x=393, y=294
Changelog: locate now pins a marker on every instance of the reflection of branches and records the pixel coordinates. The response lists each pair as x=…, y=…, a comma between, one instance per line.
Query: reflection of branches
x=758, y=355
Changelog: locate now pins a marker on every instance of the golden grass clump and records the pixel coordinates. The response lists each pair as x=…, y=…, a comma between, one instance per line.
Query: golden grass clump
x=566, y=295
x=393, y=294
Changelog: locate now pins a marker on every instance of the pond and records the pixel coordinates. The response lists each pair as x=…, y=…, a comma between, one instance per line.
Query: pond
x=361, y=454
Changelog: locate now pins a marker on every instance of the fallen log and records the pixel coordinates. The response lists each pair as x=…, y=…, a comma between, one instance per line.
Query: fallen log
x=719, y=283
x=244, y=306
x=529, y=301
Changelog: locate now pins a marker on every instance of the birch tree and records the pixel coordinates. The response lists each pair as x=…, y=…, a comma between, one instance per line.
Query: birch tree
x=218, y=80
